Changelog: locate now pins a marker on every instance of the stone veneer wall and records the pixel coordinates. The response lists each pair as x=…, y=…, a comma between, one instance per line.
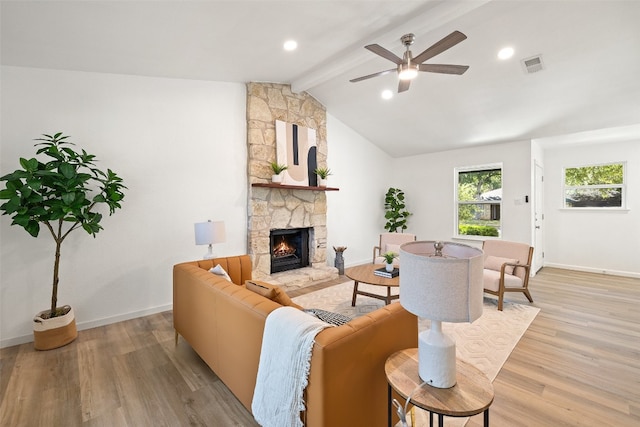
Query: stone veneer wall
x=272, y=208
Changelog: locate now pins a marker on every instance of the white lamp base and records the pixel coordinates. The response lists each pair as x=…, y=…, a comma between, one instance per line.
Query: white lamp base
x=209, y=253
x=437, y=357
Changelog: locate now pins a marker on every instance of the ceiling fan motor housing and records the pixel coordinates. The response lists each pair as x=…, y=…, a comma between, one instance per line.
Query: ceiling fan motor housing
x=408, y=39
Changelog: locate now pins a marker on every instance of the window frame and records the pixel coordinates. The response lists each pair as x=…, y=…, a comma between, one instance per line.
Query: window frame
x=622, y=187
x=476, y=168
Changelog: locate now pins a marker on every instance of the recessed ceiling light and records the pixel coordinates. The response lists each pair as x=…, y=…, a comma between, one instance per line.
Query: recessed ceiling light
x=290, y=45
x=387, y=94
x=505, y=53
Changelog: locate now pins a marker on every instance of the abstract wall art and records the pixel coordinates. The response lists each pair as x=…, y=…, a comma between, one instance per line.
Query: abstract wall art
x=296, y=148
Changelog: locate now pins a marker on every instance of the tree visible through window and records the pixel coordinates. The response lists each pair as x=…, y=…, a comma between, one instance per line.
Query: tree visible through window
x=479, y=201
x=596, y=186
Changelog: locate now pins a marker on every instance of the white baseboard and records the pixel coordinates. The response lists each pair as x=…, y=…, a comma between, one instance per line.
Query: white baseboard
x=594, y=270
x=93, y=324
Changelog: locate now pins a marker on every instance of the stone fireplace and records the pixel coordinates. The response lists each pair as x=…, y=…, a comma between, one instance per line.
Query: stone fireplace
x=284, y=208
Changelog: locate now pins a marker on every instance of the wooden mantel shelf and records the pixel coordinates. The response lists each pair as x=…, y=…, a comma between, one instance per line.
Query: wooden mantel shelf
x=292, y=187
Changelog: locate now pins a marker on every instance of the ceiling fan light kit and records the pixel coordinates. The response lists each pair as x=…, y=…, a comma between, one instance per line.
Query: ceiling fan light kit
x=407, y=71
x=408, y=67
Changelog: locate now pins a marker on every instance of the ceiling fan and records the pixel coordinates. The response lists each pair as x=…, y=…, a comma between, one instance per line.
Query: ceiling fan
x=408, y=67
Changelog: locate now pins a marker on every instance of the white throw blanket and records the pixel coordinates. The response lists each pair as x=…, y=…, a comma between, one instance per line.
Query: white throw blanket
x=285, y=360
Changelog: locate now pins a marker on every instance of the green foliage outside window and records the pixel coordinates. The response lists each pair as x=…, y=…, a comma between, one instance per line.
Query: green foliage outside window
x=478, y=230
x=594, y=175
x=598, y=186
x=479, y=202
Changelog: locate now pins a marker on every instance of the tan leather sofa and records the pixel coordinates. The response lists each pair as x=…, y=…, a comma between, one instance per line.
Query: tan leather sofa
x=224, y=322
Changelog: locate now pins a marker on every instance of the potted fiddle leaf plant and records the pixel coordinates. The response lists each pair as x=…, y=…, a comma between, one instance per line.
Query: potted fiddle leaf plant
x=277, y=169
x=323, y=174
x=62, y=191
x=396, y=211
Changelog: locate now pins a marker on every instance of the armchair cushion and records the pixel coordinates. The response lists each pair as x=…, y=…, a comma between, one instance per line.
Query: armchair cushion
x=392, y=248
x=492, y=280
x=495, y=263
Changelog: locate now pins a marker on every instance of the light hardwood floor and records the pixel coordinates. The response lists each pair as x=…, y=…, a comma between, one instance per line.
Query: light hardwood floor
x=578, y=364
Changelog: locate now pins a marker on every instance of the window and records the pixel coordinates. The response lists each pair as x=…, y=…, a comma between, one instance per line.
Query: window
x=595, y=186
x=479, y=200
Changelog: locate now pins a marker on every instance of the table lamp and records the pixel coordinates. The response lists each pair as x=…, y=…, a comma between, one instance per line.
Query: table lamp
x=208, y=233
x=443, y=282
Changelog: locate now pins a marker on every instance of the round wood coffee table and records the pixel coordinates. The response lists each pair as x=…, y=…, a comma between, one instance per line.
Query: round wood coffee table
x=364, y=274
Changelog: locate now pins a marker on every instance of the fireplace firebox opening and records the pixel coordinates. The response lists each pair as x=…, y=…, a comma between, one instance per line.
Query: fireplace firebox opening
x=289, y=249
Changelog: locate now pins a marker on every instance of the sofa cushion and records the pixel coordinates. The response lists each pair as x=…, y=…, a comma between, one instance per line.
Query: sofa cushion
x=220, y=272
x=270, y=291
x=495, y=263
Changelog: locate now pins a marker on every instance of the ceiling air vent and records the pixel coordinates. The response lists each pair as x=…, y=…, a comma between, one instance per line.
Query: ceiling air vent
x=533, y=64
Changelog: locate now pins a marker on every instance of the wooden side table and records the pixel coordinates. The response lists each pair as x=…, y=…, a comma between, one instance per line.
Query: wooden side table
x=472, y=394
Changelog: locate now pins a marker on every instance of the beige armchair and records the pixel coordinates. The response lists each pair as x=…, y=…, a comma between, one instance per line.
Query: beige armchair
x=390, y=242
x=506, y=268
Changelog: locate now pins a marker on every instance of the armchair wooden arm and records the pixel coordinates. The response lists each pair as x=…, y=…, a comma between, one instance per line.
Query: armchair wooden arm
x=376, y=253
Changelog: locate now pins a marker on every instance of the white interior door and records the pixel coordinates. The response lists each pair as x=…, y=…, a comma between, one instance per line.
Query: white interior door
x=538, y=215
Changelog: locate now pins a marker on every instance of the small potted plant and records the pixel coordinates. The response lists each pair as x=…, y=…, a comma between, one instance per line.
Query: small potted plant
x=277, y=169
x=388, y=259
x=323, y=174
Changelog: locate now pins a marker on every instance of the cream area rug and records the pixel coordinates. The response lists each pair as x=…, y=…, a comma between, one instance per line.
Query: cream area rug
x=485, y=343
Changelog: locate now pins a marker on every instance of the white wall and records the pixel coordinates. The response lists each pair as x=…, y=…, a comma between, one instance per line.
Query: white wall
x=363, y=172
x=592, y=240
x=428, y=183
x=180, y=147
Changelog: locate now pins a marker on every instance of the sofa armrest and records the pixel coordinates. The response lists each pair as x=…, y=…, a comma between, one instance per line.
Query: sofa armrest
x=347, y=382
x=223, y=323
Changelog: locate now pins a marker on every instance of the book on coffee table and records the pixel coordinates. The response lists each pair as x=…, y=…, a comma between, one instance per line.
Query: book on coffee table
x=382, y=272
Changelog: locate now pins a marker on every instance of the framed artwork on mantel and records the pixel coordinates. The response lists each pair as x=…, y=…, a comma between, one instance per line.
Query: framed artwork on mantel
x=296, y=148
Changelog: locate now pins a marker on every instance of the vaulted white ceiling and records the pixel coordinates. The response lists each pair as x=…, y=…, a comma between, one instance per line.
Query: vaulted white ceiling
x=590, y=50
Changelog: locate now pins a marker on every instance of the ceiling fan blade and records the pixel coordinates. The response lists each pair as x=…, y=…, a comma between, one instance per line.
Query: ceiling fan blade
x=403, y=85
x=443, y=68
x=446, y=43
x=380, y=73
x=379, y=50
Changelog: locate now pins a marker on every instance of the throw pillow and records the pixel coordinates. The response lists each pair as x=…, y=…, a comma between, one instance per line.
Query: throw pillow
x=260, y=289
x=329, y=317
x=273, y=292
x=220, y=272
x=393, y=248
x=495, y=263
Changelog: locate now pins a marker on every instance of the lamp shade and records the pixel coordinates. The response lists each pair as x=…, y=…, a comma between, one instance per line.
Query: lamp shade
x=447, y=288
x=210, y=232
